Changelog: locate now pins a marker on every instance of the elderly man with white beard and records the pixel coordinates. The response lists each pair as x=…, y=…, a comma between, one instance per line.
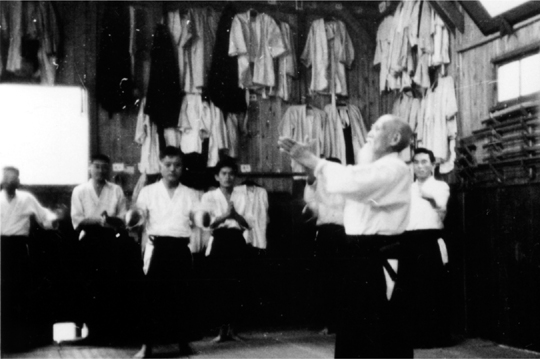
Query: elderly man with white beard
x=377, y=194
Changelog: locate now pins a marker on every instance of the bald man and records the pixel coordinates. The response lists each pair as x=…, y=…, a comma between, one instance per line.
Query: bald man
x=377, y=194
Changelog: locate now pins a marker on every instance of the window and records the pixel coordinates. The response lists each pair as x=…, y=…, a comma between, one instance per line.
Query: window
x=495, y=8
x=518, y=78
x=488, y=15
x=44, y=131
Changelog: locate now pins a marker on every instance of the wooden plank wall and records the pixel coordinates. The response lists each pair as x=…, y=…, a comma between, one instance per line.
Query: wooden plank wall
x=502, y=254
x=477, y=74
x=500, y=222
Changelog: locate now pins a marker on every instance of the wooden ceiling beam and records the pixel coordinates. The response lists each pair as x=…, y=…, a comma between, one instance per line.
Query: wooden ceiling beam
x=449, y=12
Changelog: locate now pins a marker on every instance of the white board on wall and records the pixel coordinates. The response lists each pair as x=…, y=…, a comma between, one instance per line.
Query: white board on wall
x=44, y=131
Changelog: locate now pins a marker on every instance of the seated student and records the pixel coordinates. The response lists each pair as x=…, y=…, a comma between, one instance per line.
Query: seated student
x=97, y=209
x=169, y=209
x=17, y=208
x=227, y=249
x=329, y=239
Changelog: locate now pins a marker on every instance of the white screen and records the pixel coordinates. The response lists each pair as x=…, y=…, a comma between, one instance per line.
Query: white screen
x=44, y=132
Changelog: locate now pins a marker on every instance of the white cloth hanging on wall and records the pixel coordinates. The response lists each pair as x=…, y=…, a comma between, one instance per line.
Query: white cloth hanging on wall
x=439, y=126
x=256, y=215
x=191, y=124
x=233, y=133
x=286, y=66
x=414, y=26
x=256, y=40
x=146, y=136
x=218, y=138
x=297, y=124
x=194, y=34
x=328, y=46
x=200, y=120
x=173, y=137
x=334, y=134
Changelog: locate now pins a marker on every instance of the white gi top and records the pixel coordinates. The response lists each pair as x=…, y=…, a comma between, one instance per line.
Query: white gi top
x=328, y=208
x=85, y=202
x=15, y=215
x=377, y=195
x=215, y=203
x=424, y=214
x=166, y=216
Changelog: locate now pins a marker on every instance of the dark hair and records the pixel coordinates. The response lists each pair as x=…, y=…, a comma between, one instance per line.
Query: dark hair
x=426, y=151
x=333, y=159
x=12, y=169
x=226, y=162
x=171, y=151
x=100, y=157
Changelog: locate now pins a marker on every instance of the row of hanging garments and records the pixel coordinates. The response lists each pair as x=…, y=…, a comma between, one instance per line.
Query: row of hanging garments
x=253, y=40
x=336, y=131
x=201, y=53
x=199, y=124
x=433, y=119
x=409, y=43
x=29, y=40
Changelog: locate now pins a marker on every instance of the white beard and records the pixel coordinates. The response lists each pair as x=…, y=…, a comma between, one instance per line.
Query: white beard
x=366, y=154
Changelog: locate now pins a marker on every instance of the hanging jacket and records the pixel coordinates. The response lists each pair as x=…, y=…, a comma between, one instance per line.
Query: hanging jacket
x=223, y=88
x=255, y=40
x=256, y=215
x=164, y=96
x=114, y=84
x=146, y=136
x=297, y=125
x=286, y=66
x=328, y=46
x=194, y=35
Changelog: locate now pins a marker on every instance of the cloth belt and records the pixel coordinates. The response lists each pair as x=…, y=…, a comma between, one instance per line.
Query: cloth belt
x=383, y=247
x=157, y=240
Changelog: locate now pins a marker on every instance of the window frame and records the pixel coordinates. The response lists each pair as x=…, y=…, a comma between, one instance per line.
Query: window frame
x=506, y=58
x=489, y=25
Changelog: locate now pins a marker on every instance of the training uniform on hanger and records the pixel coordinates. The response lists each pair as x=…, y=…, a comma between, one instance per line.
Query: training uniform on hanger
x=328, y=50
x=258, y=40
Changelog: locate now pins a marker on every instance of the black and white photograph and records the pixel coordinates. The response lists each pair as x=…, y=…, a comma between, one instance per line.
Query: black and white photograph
x=270, y=179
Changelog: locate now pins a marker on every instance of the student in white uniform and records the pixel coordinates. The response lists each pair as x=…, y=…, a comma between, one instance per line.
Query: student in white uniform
x=17, y=208
x=426, y=254
x=98, y=201
x=169, y=209
x=97, y=211
x=377, y=202
x=227, y=251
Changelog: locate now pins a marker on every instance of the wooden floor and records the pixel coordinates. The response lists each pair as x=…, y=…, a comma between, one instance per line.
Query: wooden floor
x=269, y=344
